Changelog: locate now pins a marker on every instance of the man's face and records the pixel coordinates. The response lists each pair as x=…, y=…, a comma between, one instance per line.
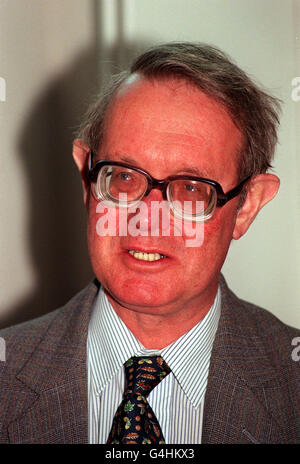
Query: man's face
x=167, y=127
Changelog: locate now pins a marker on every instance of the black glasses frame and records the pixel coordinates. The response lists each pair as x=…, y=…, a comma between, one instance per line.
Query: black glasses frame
x=162, y=184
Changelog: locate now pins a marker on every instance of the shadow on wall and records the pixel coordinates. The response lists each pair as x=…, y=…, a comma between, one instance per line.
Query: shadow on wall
x=57, y=219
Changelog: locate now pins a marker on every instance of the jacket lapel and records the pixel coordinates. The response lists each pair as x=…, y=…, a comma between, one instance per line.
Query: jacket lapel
x=54, y=380
x=241, y=375
x=247, y=397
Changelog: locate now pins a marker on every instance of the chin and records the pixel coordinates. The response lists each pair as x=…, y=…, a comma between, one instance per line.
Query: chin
x=134, y=296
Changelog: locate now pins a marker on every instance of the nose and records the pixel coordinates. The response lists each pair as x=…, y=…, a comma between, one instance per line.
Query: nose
x=151, y=216
x=158, y=186
x=154, y=195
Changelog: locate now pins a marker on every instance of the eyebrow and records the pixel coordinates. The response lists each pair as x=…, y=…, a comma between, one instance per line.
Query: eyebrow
x=184, y=170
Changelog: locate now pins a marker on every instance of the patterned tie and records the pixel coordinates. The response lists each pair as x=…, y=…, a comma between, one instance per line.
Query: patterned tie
x=135, y=421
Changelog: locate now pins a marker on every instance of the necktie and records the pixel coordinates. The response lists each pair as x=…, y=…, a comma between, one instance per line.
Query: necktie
x=135, y=421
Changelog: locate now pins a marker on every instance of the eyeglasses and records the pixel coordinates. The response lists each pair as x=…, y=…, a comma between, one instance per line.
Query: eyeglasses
x=190, y=198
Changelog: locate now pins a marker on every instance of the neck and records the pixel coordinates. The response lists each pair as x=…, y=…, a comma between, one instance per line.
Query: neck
x=157, y=328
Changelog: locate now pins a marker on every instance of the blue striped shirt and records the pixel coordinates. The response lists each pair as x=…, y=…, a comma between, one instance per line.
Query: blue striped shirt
x=177, y=400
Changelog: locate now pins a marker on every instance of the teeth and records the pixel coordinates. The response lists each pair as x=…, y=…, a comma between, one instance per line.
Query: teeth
x=146, y=256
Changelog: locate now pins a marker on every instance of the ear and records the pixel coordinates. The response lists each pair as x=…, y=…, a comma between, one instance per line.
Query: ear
x=81, y=157
x=261, y=190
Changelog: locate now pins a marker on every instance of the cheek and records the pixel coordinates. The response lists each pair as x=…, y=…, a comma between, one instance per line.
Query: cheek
x=99, y=244
x=200, y=238
x=217, y=230
x=102, y=220
x=208, y=258
x=218, y=233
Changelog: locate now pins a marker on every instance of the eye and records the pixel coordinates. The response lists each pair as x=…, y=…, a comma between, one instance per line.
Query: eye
x=190, y=187
x=125, y=176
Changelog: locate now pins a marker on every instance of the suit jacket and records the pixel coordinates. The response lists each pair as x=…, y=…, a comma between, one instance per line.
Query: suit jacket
x=252, y=392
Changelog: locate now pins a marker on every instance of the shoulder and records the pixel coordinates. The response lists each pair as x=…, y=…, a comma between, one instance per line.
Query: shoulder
x=21, y=340
x=256, y=324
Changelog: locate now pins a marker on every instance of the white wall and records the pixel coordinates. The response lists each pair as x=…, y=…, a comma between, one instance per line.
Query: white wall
x=49, y=53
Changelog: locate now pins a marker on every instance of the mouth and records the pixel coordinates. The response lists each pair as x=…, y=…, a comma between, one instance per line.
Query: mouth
x=145, y=256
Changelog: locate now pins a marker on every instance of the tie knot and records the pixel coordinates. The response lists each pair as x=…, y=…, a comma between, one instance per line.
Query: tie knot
x=144, y=373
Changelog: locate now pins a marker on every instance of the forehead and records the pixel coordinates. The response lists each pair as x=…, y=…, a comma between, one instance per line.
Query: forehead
x=169, y=120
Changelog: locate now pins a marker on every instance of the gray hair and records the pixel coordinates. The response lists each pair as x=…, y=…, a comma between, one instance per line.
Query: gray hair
x=254, y=111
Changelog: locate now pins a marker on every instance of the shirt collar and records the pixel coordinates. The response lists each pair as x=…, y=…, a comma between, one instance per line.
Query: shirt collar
x=111, y=344
x=189, y=356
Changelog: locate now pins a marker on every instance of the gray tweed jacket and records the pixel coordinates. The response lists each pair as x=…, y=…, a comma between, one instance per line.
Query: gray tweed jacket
x=253, y=391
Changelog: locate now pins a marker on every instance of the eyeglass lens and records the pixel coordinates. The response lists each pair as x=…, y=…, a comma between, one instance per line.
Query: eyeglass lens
x=187, y=197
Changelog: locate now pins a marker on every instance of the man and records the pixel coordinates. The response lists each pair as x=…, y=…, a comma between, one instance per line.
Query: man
x=158, y=349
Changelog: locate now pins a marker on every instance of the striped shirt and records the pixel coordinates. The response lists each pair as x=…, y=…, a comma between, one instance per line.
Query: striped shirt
x=177, y=400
